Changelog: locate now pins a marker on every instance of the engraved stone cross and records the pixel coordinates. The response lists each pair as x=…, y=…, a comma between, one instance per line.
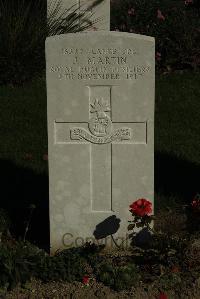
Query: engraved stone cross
x=101, y=133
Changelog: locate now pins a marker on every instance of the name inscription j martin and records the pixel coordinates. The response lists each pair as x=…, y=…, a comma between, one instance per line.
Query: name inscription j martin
x=99, y=64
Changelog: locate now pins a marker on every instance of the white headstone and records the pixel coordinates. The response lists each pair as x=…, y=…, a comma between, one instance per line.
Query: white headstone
x=100, y=12
x=100, y=88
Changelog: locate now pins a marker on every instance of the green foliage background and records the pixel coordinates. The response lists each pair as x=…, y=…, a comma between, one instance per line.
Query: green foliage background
x=177, y=32
x=24, y=26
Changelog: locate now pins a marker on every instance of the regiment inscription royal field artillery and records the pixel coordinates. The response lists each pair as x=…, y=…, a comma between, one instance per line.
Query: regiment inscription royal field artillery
x=100, y=88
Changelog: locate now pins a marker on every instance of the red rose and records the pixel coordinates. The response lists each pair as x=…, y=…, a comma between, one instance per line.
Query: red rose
x=162, y=296
x=86, y=279
x=141, y=207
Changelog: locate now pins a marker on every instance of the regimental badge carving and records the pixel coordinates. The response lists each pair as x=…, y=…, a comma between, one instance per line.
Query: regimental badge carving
x=100, y=125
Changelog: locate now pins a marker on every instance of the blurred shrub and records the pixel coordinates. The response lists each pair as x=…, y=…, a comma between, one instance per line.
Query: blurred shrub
x=21, y=261
x=118, y=277
x=67, y=266
x=174, y=24
x=163, y=264
x=4, y=222
x=24, y=26
x=18, y=262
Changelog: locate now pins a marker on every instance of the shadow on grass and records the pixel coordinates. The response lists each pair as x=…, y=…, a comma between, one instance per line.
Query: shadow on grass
x=177, y=181
x=20, y=188
x=177, y=177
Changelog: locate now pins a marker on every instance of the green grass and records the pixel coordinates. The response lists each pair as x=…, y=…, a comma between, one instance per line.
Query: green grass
x=23, y=115
x=177, y=125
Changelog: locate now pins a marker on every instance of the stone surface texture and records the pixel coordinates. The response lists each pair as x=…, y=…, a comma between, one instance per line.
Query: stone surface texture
x=100, y=90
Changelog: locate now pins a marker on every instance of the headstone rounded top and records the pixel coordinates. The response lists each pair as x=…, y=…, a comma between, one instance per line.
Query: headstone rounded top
x=100, y=33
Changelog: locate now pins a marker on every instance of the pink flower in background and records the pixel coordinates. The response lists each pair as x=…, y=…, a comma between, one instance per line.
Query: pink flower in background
x=160, y=15
x=187, y=2
x=158, y=56
x=196, y=203
x=131, y=11
x=45, y=157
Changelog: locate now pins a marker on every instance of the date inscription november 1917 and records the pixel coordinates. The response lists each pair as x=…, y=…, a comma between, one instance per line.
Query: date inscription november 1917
x=99, y=64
